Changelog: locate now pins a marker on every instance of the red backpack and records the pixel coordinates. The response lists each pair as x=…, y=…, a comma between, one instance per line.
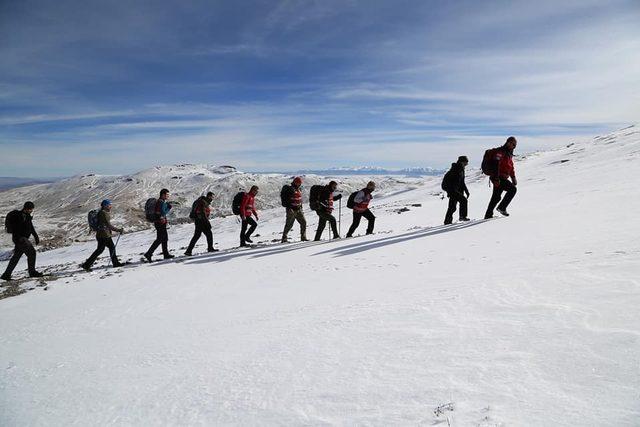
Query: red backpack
x=490, y=162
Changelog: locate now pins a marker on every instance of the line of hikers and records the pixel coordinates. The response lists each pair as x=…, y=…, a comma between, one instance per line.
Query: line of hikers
x=497, y=163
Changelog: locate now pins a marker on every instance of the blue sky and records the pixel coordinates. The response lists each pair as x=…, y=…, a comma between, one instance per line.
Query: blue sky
x=115, y=87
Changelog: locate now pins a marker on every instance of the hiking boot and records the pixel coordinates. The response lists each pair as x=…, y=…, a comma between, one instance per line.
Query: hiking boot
x=336, y=237
x=6, y=277
x=348, y=236
x=464, y=219
x=284, y=240
x=243, y=245
x=488, y=216
x=118, y=264
x=35, y=274
x=503, y=212
x=213, y=250
x=187, y=253
x=169, y=256
x=148, y=257
x=304, y=239
x=248, y=240
x=85, y=267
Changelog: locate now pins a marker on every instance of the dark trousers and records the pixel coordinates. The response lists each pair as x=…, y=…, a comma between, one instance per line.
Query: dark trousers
x=201, y=228
x=244, y=233
x=325, y=216
x=22, y=246
x=454, y=199
x=504, y=185
x=103, y=242
x=357, y=216
x=162, y=238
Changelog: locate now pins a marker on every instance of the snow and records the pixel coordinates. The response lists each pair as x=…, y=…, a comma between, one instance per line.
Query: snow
x=526, y=320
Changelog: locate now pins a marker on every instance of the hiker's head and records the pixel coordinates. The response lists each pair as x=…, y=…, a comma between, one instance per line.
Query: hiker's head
x=210, y=196
x=254, y=190
x=371, y=186
x=164, y=194
x=106, y=204
x=463, y=160
x=297, y=181
x=511, y=143
x=333, y=186
x=28, y=207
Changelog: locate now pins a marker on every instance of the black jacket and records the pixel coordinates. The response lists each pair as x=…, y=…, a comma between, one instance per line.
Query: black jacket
x=23, y=227
x=453, y=181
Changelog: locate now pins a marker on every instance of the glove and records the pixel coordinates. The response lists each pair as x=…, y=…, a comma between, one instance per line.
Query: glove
x=121, y=231
x=514, y=180
x=169, y=206
x=338, y=197
x=258, y=219
x=467, y=193
x=37, y=239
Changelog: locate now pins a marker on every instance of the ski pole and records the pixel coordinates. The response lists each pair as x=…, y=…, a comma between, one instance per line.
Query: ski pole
x=340, y=218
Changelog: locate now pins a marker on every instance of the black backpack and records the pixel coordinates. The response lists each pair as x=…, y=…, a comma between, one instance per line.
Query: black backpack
x=351, y=201
x=314, y=196
x=150, y=210
x=194, y=207
x=285, y=195
x=446, y=181
x=92, y=219
x=490, y=163
x=237, y=201
x=11, y=221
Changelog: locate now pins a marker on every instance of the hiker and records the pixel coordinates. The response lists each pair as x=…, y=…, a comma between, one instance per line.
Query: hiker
x=162, y=208
x=291, y=197
x=361, y=208
x=324, y=207
x=20, y=225
x=247, y=209
x=457, y=191
x=200, y=212
x=103, y=236
x=501, y=171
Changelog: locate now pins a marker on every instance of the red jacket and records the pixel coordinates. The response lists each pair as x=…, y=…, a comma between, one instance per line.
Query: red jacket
x=246, y=206
x=505, y=164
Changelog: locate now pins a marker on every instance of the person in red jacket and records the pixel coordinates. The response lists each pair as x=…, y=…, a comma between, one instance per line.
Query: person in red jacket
x=506, y=171
x=247, y=209
x=361, y=209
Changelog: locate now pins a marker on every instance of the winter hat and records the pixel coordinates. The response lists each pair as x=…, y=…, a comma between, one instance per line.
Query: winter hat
x=28, y=205
x=105, y=202
x=297, y=181
x=463, y=159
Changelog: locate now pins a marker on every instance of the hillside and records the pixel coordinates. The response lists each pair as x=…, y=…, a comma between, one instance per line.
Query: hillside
x=525, y=320
x=62, y=207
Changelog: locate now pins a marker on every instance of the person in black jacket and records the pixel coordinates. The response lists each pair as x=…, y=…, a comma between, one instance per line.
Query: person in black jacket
x=21, y=230
x=202, y=212
x=457, y=192
x=325, y=208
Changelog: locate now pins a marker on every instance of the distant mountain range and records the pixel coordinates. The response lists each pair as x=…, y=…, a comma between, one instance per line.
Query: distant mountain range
x=9, y=182
x=372, y=170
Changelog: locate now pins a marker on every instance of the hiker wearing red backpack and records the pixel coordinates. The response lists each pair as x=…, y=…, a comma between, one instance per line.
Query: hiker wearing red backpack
x=291, y=197
x=247, y=208
x=162, y=208
x=359, y=202
x=498, y=164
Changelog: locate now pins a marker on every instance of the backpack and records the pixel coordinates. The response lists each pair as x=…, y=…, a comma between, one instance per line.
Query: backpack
x=351, y=201
x=237, y=201
x=314, y=196
x=150, y=210
x=92, y=219
x=11, y=221
x=445, y=181
x=284, y=195
x=194, y=208
x=490, y=163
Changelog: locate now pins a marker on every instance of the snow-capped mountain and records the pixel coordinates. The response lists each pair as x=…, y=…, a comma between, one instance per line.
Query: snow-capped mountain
x=526, y=320
x=374, y=170
x=61, y=207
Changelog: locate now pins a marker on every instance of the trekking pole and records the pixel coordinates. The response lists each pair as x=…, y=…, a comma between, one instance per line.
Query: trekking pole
x=340, y=218
x=114, y=247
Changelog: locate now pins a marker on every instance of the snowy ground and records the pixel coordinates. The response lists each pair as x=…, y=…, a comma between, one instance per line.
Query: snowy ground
x=526, y=320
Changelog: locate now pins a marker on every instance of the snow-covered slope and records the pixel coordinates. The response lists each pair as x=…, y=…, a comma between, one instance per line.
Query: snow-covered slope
x=62, y=207
x=526, y=320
